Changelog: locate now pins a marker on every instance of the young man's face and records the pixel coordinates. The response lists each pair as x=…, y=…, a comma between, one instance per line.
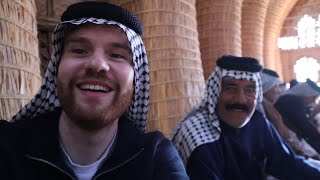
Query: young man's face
x=236, y=102
x=95, y=77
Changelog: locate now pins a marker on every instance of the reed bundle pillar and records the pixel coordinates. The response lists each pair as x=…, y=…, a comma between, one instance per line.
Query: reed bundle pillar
x=176, y=75
x=219, y=27
x=19, y=60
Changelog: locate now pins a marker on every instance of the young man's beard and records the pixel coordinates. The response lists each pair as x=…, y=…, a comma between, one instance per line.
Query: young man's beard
x=105, y=118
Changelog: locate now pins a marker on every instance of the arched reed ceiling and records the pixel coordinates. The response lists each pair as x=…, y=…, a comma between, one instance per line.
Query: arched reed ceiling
x=252, y=27
x=219, y=27
x=277, y=12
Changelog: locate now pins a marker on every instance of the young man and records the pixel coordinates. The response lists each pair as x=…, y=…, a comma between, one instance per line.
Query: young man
x=225, y=138
x=297, y=108
x=88, y=119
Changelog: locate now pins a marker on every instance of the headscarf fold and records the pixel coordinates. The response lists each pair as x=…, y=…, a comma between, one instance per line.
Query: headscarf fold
x=269, y=79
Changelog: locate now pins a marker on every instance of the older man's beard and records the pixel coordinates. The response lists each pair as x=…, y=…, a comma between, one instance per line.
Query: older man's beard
x=108, y=116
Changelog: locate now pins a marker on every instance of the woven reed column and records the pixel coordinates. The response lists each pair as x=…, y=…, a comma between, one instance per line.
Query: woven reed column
x=276, y=14
x=46, y=23
x=176, y=75
x=219, y=27
x=252, y=27
x=48, y=15
x=19, y=60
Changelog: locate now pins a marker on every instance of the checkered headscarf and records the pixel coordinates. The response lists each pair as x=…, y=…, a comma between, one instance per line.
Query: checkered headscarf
x=268, y=81
x=201, y=125
x=46, y=99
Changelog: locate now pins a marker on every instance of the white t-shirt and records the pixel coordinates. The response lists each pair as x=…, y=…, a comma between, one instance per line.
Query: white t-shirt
x=86, y=172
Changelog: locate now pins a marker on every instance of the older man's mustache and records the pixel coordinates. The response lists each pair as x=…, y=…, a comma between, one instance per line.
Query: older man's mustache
x=237, y=106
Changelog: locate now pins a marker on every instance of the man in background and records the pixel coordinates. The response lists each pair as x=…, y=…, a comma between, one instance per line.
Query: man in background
x=298, y=110
x=271, y=92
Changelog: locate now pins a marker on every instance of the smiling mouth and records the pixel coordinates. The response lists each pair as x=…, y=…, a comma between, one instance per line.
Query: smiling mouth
x=238, y=110
x=237, y=107
x=95, y=88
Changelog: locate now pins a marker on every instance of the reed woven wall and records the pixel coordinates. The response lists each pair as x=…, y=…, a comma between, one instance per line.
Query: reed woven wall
x=176, y=76
x=172, y=42
x=19, y=60
x=288, y=27
x=48, y=15
x=276, y=14
x=219, y=27
x=252, y=27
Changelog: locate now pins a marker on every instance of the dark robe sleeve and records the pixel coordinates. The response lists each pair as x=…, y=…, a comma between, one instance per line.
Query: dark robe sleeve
x=202, y=164
x=169, y=166
x=282, y=162
x=247, y=154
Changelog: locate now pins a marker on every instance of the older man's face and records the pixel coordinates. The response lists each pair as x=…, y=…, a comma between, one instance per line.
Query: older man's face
x=236, y=102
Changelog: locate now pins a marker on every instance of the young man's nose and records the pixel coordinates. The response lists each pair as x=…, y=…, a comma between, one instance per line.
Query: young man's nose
x=99, y=63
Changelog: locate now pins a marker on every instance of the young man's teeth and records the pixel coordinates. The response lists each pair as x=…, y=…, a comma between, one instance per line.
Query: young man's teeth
x=94, y=87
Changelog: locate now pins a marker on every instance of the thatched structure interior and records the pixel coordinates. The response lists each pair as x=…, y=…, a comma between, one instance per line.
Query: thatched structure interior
x=183, y=40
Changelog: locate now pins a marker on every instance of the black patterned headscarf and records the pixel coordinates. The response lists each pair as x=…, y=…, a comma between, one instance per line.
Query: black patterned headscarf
x=46, y=99
x=201, y=125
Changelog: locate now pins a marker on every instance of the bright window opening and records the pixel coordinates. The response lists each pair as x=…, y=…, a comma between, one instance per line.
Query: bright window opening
x=307, y=67
x=308, y=35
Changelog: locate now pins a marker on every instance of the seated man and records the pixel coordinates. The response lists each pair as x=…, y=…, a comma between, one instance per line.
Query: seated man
x=271, y=92
x=295, y=106
x=226, y=138
x=88, y=119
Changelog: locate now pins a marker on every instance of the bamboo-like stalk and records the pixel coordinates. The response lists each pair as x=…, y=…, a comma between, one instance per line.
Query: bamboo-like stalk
x=219, y=26
x=19, y=60
x=276, y=14
x=176, y=75
x=252, y=27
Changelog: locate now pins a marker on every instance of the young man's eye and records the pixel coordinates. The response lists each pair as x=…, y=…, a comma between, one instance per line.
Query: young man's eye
x=79, y=51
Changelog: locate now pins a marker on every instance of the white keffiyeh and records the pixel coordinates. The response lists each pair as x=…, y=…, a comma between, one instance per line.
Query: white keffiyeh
x=268, y=81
